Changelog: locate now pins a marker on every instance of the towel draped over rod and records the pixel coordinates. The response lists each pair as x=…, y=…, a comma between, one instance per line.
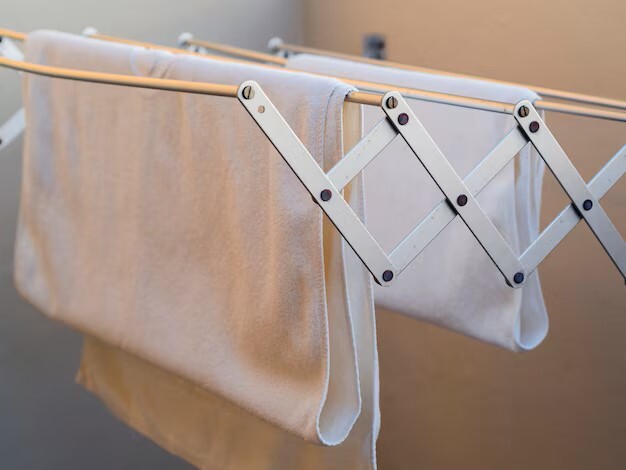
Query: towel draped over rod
x=369, y=93
x=382, y=266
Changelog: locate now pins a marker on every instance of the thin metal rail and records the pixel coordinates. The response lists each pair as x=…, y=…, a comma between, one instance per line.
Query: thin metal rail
x=202, y=88
x=371, y=89
x=278, y=45
x=563, y=108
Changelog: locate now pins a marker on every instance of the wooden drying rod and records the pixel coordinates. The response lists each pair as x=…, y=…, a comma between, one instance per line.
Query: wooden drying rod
x=409, y=93
x=144, y=82
x=201, y=88
x=276, y=44
x=187, y=39
x=369, y=93
x=367, y=97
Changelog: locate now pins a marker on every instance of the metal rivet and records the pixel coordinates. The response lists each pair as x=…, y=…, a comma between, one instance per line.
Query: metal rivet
x=587, y=204
x=523, y=111
x=248, y=92
x=518, y=278
x=261, y=109
x=461, y=200
x=534, y=126
x=403, y=119
x=387, y=276
x=392, y=102
x=326, y=194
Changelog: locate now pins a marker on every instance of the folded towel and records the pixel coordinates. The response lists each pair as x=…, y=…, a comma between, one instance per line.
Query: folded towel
x=453, y=283
x=207, y=431
x=167, y=225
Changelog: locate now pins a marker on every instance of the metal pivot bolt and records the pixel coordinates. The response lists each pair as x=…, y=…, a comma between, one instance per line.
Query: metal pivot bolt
x=403, y=119
x=387, y=276
x=326, y=194
x=518, y=278
x=461, y=200
x=392, y=102
x=523, y=111
x=248, y=92
x=587, y=204
x=534, y=127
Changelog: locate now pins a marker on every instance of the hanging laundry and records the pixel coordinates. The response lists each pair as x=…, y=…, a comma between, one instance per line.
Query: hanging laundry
x=166, y=225
x=453, y=283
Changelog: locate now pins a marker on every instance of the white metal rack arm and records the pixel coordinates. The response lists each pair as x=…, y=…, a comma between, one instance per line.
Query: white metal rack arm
x=277, y=45
x=401, y=121
x=14, y=126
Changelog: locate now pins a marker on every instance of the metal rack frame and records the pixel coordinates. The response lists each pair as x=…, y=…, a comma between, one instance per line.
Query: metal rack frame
x=400, y=121
x=460, y=194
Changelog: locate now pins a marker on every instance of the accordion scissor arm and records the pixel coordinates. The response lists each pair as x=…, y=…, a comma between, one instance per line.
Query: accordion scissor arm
x=401, y=121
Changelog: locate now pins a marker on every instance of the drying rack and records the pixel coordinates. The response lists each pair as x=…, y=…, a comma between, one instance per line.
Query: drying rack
x=401, y=122
x=561, y=167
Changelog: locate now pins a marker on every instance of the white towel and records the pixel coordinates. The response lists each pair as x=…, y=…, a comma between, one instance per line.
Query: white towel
x=453, y=283
x=209, y=432
x=166, y=225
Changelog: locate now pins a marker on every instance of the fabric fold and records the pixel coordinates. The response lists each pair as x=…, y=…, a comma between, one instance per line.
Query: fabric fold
x=167, y=226
x=208, y=431
x=453, y=283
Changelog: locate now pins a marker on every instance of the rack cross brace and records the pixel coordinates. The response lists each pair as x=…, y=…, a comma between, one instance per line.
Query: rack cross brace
x=400, y=121
x=14, y=126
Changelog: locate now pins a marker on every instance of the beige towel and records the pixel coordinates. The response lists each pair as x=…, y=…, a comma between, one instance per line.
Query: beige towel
x=453, y=283
x=166, y=225
x=211, y=433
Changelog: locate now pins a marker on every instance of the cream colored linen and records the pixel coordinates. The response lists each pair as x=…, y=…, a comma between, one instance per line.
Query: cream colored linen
x=453, y=283
x=211, y=433
x=165, y=224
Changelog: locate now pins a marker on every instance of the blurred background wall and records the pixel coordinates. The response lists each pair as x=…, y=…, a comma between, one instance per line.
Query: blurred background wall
x=46, y=421
x=449, y=402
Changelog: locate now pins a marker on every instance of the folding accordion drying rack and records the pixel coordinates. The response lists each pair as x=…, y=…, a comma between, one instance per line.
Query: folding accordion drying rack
x=400, y=121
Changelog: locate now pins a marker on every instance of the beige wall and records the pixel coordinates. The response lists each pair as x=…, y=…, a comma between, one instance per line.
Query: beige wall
x=449, y=402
